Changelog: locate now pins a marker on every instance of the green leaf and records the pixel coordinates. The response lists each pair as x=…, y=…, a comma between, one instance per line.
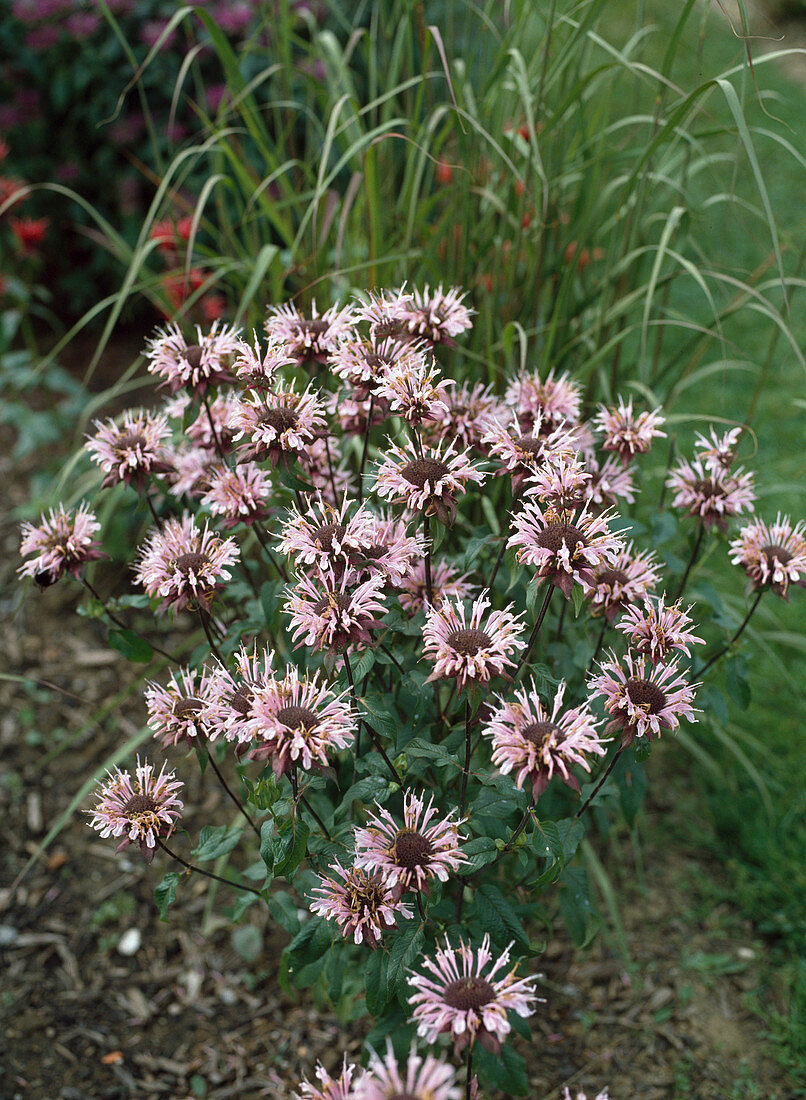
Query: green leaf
x=267, y=844
x=437, y=754
x=402, y=955
x=215, y=841
x=498, y=916
x=505, y=1072
x=575, y=905
x=368, y=789
x=479, y=851
x=165, y=892
x=292, y=844
x=736, y=680
x=131, y=645
x=375, y=983
x=578, y=597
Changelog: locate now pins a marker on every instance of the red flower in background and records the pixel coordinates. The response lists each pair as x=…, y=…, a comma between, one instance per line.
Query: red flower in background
x=29, y=232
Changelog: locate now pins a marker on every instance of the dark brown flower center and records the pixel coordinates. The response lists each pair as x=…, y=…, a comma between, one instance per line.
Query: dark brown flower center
x=140, y=804
x=404, y=1096
x=611, y=577
x=191, y=563
x=529, y=444
x=774, y=553
x=335, y=603
x=469, y=642
x=327, y=533
x=709, y=487
x=294, y=717
x=646, y=695
x=411, y=849
x=538, y=733
x=422, y=470
x=193, y=355
x=468, y=993
x=130, y=440
x=377, y=363
x=241, y=700
x=282, y=420
x=556, y=534
x=389, y=328
x=187, y=708
x=315, y=325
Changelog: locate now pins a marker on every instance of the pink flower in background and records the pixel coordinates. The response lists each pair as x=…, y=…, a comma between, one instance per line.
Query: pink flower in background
x=412, y=389
x=82, y=24
x=435, y=315
x=467, y=410
x=522, y=450
x=416, y=1079
x=44, y=38
x=364, y=364
x=61, y=544
x=610, y=481
x=643, y=698
x=554, y=399
x=424, y=847
x=183, y=565
x=257, y=369
x=176, y=712
x=144, y=810
x=426, y=483
x=446, y=584
x=313, y=338
x=151, y=31
x=297, y=720
x=461, y=995
x=655, y=629
x=194, y=366
x=384, y=547
x=561, y=484
x=231, y=707
x=132, y=451
x=277, y=424
x=563, y=550
x=536, y=743
x=712, y=495
x=364, y=906
x=626, y=432
x=718, y=453
x=191, y=471
x=772, y=556
x=239, y=495
x=471, y=648
x=625, y=580
x=334, y=615
x=323, y=536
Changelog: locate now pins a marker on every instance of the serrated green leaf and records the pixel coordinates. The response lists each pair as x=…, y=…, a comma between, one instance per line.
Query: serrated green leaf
x=131, y=645
x=498, y=916
x=437, y=754
x=368, y=789
x=479, y=851
x=375, y=984
x=267, y=844
x=405, y=948
x=505, y=1072
x=291, y=846
x=215, y=841
x=165, y=892
x=578, y=598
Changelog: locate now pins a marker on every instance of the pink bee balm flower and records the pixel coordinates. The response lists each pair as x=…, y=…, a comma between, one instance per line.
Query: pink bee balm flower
x=627, y=433
x=176, y=712
x=239, y=495
x=468, y=408
x=257, y=369
x=61, y=544
x=133, y=450
x=192, y=469
x=352, y=415
x=410, y=855
x=384, y=547
x=610, y=481
x=312, y=338
x=332, y=1088
x=643, y=698
x=564, y=550
x=719, y=452
x=279, y=424
x=297, y=721
x=144, y=810
x=536, y=744
x=334, y=615
x=330, y=475
x=561, y=484
x=230, y=710
x=323, y=537
x=446, y=584
x=200, y=431
x=365, y=364
x=418, y=1079
x=426, y=483
x=437, y=315
x=773, y=556
x=412, y=389
x=555, y=400
x=711, y=495
x=364, y=906
x=464, y=998
x=655, y=629
x=475, y=649
x=192, y=366
x=185, y=566
x=624, y=581
x=523, y=449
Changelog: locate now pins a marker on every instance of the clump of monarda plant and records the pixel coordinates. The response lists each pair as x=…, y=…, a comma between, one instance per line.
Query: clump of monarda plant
x=430, y=630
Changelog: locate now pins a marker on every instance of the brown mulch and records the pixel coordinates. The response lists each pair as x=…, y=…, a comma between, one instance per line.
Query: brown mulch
x=100, y=1000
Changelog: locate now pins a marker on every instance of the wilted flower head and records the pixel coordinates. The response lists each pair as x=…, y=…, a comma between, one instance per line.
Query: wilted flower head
x=553, y=399
x=256, y=368
x=464, y=998
x=426, y=483
x=468, y=408
x=643, y=698
x=133, y=450
x=623, y=581
x=773, y=556
x=446, y=584
x=563, y=549
x=238, y=495
x=364, y=364
x=332, y=1088
x=413, y=390
x=713, y=495
x=364, y=906
x=195, y=365
x=143, y=810
x=719, y=452
x=61, y=544
x=655, y=629
x=334, y=614
x=183, y=565
x=176, y=712
x=297, y=720
x=436, y=315
x=609, y=481
x=418, y=1079
x=534, y=743
x=312, y=338
x=471, y=648
x=279, y=424
x=626, y=432
x=424, y=847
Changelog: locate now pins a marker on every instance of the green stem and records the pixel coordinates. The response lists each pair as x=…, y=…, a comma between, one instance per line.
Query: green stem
x=207, y=874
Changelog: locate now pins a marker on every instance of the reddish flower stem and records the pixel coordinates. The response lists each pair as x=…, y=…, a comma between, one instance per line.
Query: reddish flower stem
x=721, y=652
x=207, y=874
